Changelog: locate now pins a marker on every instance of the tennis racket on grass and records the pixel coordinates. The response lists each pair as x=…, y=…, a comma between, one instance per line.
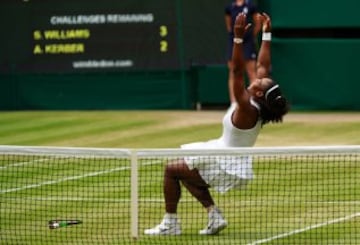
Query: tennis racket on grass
x=54, y=224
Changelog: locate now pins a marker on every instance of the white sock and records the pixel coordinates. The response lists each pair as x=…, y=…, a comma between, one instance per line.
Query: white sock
x=170, y=216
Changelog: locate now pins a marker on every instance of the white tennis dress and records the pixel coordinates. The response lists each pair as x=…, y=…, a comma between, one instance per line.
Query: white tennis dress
x=226, y=172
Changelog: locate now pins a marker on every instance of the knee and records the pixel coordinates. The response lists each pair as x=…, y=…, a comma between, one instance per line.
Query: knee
x=170, y=170
x=173, y=169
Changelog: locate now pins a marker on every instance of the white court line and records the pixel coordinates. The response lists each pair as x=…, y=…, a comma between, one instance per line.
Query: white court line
x=184, y=199
x=82, y=199
x=19, y=164
x=311, y=227
x=63, y=180
x=72, y=178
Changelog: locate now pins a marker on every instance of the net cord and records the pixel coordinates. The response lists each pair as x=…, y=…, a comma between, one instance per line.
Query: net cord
x=121, y=152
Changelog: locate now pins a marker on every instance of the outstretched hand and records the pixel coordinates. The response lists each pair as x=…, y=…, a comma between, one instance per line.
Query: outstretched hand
x=266, y=22
x=241, y=26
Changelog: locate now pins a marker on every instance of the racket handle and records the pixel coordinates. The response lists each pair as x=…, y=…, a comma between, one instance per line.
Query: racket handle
x=54, y=224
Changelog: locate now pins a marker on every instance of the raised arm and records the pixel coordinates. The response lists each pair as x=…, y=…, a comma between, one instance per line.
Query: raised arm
x=238, y=61
x=245, y=115
x=263, y=65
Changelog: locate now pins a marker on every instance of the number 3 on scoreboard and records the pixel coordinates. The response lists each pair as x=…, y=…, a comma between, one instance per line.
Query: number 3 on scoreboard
x=163, y=31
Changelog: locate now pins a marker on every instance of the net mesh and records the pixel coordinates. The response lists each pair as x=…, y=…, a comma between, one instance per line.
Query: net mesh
x=298, y=196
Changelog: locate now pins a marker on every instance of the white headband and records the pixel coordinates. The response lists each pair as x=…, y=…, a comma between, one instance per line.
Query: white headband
x=270, y=90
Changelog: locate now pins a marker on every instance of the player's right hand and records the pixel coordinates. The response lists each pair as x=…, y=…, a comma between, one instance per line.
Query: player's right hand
x=241, y=26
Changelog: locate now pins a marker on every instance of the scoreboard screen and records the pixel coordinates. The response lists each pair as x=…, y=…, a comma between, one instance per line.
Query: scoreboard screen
x=89, y=35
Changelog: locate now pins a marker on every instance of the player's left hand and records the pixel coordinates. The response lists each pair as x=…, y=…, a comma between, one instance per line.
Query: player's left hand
x=266, y=23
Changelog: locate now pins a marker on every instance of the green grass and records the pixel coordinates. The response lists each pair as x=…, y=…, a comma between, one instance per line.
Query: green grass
x=285, y=197
x=163, y=129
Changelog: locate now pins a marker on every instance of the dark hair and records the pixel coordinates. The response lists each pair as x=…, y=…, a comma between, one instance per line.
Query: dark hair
x=273, y=105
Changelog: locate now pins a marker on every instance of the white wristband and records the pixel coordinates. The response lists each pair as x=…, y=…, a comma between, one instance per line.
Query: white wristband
x=238, y=40
x=266, y=36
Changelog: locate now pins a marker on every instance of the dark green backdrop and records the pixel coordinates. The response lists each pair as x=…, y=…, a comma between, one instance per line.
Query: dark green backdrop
x=315, y=73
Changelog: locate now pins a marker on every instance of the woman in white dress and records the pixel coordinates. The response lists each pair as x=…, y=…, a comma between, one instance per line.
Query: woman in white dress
x=260, y=103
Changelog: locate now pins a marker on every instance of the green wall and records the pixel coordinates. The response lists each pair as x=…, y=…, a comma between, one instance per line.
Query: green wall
x=159, y=90
x=315, y=74
x=318, y=73
x=318, y=13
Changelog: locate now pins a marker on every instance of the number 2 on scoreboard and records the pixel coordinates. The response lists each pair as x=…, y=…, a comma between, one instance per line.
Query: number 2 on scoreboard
x=163, y=46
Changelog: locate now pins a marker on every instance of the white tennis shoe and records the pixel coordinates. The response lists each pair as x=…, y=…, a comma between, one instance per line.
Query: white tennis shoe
x=168, y=226
x=216, y=223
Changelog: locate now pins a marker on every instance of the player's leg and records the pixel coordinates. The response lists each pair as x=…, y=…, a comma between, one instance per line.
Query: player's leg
x=172, y=192
x=175, y=172
x=200, y=190
x=191, y=179
x=195, y=184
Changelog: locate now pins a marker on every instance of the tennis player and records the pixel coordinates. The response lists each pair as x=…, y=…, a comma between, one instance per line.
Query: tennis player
x=258, y=104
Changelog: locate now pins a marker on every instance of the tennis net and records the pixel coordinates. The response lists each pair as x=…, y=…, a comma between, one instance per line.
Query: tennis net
x=299, y=195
